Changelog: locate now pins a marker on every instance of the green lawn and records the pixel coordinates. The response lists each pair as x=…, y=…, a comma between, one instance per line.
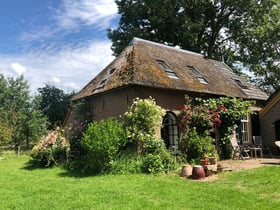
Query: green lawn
x=24, y=188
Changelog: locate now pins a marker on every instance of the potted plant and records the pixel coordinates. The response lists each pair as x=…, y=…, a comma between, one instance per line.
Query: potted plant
x=204, y=158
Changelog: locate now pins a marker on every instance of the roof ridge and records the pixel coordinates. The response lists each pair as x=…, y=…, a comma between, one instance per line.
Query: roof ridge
x=136, y=39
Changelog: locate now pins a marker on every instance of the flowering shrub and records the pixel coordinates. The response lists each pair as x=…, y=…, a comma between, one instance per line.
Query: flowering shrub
x=141, y=121
x=202, y=114
x=51, y=149
x=212, y=115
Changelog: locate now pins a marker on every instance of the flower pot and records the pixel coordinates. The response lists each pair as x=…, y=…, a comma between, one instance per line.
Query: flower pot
x=186, y=171
x=204, y=161
x=198, y=172
x=212, y=160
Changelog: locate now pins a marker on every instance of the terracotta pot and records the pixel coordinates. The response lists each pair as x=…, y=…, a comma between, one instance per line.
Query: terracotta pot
x=212, y=160
x=198, y=172
x=186, y=171
x=204, y=162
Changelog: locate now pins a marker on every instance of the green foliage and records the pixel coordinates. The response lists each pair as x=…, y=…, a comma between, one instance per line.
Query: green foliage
x=74, y=133
x=211, y=115
x=157, y=158
x=101, y=143
x=152, y=164
x=54, y=104
x=50, y=150
x=127, y=162
x=259, y=45
x=141, y=121
x=229, y=30
x=20, y=117
x=196, y=145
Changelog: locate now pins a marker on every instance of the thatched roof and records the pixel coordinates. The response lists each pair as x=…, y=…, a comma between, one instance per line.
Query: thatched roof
x=139, y=64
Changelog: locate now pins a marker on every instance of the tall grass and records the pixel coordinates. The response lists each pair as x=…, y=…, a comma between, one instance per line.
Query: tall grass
x=22, y=187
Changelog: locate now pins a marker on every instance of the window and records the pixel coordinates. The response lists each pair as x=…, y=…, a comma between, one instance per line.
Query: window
x=101, y=84
x=104, y=80
x=112, y=71
x=170, y=73
x=242, y=85
x=200, y=78
x=243, y=131
x=169, y=132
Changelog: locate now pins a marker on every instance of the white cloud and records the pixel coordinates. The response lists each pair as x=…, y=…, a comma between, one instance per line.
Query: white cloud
x=67, y=69
x=72, y=16
x=17, y=68
x=56, y=53
x=87, y=12
x=56, y=79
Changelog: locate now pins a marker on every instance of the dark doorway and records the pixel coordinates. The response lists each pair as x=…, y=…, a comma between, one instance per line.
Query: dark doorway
x=169, y=132
x=277, y=130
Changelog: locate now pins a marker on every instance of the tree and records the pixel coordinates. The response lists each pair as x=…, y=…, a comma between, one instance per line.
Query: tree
x=259, y=43
x=212, y=27
x=20, y=119
x=54, y=104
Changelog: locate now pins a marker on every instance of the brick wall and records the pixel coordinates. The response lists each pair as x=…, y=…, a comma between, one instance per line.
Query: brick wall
x=267, y=121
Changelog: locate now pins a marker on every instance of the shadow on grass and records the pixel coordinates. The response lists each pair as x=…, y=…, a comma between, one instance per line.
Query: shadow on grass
x=33, y=165
x=271, y=163
x=73, y=174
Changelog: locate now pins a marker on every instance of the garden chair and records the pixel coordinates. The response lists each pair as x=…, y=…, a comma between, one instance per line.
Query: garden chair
x=239, y=151
x=257, y=140
x=257, y=146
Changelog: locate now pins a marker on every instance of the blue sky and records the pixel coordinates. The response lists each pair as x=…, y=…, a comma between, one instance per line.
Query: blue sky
x=60, y=42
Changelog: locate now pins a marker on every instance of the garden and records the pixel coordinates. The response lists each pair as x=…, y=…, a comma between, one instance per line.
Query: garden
x=131, y=145
x=123, y=164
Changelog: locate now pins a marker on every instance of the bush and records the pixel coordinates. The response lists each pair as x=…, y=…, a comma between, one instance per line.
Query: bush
x=127, y=162
x=157, y=159
x=195, y=145
x=102, y=142
x=51, y=149
x=152, y=163
x=141, y=121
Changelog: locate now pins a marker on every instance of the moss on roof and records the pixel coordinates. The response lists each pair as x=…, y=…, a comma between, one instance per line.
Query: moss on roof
x=138, y=65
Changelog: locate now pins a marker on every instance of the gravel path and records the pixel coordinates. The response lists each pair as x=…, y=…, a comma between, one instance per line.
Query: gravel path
x=239, y=165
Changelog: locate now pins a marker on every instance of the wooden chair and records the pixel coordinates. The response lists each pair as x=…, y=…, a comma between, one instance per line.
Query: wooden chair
x=257, y=146
x=239, y=151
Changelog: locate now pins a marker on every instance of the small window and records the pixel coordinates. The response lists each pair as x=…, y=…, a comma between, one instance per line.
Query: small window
x=200, y=78
x=112, y=71
x=101, y=84
x=242, y=85
x=170, y=73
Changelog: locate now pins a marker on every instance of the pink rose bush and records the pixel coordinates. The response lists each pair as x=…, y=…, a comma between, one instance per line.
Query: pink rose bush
x=51, y=149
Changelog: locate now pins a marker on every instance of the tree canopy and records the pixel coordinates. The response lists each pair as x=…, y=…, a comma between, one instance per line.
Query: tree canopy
x=54, y=104
x=20, y=117
x=229, y=30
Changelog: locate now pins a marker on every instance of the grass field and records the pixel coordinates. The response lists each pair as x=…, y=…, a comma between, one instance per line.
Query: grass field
x=55, y=188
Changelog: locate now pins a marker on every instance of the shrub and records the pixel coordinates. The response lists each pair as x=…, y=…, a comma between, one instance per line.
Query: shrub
x=157, y=158
x=127, y=162
x=152, y=163
x=141, y=121
x=51, y=149
x=196, y=146
x=102, y=142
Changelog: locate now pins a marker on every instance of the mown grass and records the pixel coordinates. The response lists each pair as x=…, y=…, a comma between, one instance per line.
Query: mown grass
x=25, y=188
